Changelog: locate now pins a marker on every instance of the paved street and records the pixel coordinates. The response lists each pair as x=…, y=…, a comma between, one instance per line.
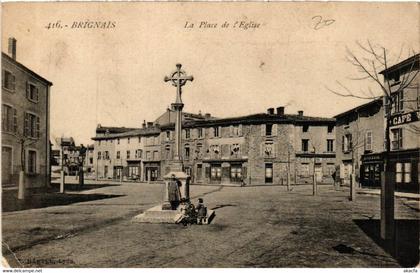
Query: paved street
x=262, y=226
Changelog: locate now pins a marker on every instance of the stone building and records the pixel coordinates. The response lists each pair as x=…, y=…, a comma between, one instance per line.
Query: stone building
x=362, y=131
x=25, y=123
x=254, y=149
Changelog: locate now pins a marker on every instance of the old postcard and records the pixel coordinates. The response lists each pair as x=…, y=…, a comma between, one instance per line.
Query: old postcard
x=210, y=135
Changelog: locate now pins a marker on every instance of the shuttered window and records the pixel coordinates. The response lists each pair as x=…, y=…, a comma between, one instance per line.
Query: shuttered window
x=8, y=80
x=9, y=119
x=31, y=125
x=32, y=92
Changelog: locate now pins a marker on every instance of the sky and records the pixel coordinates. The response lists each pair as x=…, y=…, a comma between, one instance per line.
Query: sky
x=114, y=76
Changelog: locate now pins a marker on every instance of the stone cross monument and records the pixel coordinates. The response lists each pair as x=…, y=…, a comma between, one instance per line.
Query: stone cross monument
x=178, y=78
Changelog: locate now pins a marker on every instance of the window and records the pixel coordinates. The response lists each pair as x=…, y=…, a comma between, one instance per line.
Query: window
x=330, y=128
x=200, y=132
x=99, y=155
x=9, y=80
x=118, y=155
x=305, y=128
x=234, y=150
x=403, y=172
x=269, y=129
x=347, y=143
x=31, y=125
x=396, y=141
x=304, y=169
x=90, y=160
x=148, y=155
x=118, y=141
x=128, y=154
x=268, y=149
x=32, y=92
x=216, y=131
x=330, y=145
x=236, y=173
x=139, y=139
x=31, y=162
x=106, y=155
x=187, y=152
x=155, y=155
x=187, y=133
x=235, y=130
x=368, y=141
x=397, y=102
x=305, y=145
x=168, y=135
x=99, y=143
x=167, y=152
x=9, y=119
x=128, y=140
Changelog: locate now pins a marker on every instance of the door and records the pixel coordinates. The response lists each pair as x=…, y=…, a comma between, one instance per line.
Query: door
x=236, y=173
x=269, y=173
x=318, y=173
x=6, y=165
x=216, y=173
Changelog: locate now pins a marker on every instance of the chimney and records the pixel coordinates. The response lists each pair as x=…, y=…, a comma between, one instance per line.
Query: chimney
x=144, y=124
x=207, y=115
x=300, y=113
x=270, y=111
x=280, y=111
x=149, y=124
x=12, y=48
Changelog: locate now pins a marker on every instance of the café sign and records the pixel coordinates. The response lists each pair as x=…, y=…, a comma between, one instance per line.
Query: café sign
x=405, y=118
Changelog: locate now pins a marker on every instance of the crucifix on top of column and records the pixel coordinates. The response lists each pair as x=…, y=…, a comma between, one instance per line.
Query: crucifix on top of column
x=178, y=78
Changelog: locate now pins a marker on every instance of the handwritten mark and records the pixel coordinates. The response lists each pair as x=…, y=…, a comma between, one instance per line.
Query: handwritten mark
x=319, y=22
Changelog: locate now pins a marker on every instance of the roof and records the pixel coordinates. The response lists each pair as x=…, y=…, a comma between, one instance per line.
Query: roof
x=402, y=64
x=378, y=102
x=113, y=130
x=258, y=119
x=36, y=75
x=131, y=133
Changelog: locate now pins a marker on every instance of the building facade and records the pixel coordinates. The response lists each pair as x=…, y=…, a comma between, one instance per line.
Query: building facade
x=266, y=148
x=361, y=132
x=25, y=123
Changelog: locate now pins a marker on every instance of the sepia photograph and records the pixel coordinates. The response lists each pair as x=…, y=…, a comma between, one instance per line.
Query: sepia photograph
x=141, y=135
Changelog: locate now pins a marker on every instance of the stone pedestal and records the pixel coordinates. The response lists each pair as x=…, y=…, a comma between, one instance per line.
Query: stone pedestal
x=184, y=188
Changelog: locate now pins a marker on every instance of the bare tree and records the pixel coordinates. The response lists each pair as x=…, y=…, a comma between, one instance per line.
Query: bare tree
x=368, y=65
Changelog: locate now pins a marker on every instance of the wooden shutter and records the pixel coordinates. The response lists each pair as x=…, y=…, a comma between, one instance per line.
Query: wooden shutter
x=240, y=130
x=37, y=128
x=28, y=90
x=226, y=172
x=14, y=120
x=26, y=125
x=342, y=143
x=36, y=93
x=262, y=129
x=3, y=78
x=274, y=130
x=12, y=82
x=231, y=130
x=244, y=172
x=208, y=172
x=211, y=132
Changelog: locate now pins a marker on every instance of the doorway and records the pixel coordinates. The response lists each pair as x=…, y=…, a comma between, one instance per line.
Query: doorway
x=6, y=166
x=268, y=172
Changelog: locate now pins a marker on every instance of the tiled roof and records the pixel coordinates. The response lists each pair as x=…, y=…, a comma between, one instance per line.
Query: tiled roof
x=36, y=75
x=364, y=106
